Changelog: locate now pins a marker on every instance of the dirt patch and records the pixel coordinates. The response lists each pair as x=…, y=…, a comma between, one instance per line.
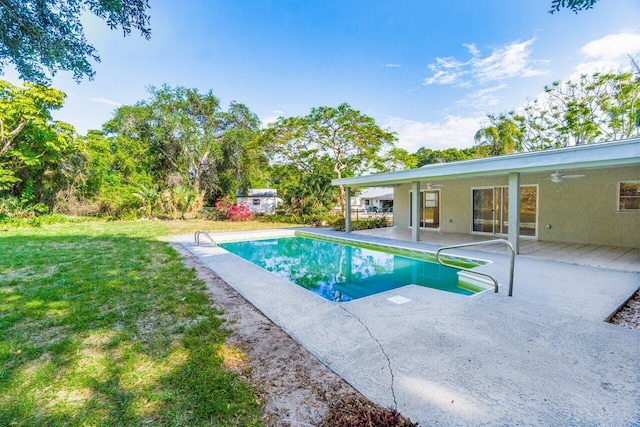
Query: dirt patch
x=294, y=387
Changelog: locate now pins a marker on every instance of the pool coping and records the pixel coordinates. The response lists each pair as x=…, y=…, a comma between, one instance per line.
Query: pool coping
x=542, y=356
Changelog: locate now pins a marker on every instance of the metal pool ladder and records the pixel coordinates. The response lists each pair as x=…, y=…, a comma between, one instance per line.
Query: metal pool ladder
x=196, y=237
x=486, y=242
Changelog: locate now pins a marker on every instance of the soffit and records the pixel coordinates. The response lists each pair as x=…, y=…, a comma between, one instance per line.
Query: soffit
x=602, y=155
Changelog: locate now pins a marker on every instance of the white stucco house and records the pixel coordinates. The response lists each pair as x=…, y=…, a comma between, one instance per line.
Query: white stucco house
x=377, y=199
x=587, y=194
x=259, y=200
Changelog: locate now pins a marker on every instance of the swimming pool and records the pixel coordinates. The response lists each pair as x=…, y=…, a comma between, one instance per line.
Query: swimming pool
x=342, y=271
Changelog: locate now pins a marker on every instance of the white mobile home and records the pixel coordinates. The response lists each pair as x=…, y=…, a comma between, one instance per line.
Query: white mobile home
x=259, y=200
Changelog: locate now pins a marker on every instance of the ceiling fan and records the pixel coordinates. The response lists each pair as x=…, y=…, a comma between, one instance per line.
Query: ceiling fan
x=431, y=186
x=558, y=177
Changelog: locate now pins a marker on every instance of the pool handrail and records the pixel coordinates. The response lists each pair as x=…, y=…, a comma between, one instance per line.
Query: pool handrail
x=485, y=242
x=197, y=234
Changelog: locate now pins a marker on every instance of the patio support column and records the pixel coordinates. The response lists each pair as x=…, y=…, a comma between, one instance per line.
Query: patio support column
x=514, y=210
x=347, y=210
x=415, y=211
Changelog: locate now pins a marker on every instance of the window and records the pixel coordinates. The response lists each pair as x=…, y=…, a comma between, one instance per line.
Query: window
x=429, y=209
x=629, y=196
x=256, y=202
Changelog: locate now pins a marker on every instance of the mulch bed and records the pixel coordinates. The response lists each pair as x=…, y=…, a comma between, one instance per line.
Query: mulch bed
x=629, y=315
x=356, y=411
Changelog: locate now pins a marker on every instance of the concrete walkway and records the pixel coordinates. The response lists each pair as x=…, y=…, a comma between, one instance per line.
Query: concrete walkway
x=542, y=357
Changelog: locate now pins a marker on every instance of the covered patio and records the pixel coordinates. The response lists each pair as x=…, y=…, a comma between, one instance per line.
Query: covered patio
x=527, y=198
x=613, y=257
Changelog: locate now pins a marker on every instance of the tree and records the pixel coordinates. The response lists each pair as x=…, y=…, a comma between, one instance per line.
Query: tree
x=305, y=191
x=503, y=136
x=595, y=108
x=150, y=198
x=400, y=159
x=427, y=156
x=573, y=5
x=30, y=140
x=114, y=168
x=190, y=141
x=39, y=35
x=343, y=138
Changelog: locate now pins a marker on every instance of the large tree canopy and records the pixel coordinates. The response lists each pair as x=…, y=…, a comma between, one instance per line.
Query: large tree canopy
x=29, y=139
x=190, y=141
x=47, y=35
x=330, y=142
x=595, y=108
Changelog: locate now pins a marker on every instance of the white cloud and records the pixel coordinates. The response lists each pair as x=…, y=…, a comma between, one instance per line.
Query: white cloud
x=608, y=53
x=107, y=101
x=483, y=98
x=484, y=92
x=505, y=62
x=392, y=65
x=271, y=117
x=613, y=46
x=452, y=132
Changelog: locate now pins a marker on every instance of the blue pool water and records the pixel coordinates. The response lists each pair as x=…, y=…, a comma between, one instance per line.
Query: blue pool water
x=341, y=272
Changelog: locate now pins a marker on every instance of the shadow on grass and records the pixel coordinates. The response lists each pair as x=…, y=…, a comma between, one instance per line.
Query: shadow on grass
x=112, y=330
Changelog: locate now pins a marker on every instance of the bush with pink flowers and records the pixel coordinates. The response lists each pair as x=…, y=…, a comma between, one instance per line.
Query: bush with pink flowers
x=227, y=210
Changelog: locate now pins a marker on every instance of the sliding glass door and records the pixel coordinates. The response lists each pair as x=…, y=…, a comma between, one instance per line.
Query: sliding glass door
x=485, y=202
x=491, y=210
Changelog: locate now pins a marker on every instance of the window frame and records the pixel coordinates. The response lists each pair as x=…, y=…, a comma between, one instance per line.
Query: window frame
x=619, y=197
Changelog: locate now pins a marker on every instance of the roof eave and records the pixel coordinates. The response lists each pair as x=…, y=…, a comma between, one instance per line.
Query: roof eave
x=610, y=154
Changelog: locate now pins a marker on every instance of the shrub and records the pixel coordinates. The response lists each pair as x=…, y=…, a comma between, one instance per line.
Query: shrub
x=240, y=212
x=226, y=210
x=15, y=208
x=7, y=222
x=317, y=219
x=363, y=224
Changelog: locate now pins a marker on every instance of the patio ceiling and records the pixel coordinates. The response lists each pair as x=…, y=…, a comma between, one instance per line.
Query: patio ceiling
x=602, y=155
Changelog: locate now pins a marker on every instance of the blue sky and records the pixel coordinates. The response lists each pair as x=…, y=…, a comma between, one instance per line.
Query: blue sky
x=428, y=70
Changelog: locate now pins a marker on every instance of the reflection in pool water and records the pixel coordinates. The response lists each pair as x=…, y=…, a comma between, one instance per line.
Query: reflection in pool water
x=339, y=272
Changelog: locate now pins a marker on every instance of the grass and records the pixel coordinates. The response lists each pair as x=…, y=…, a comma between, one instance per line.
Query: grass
x=101, y=324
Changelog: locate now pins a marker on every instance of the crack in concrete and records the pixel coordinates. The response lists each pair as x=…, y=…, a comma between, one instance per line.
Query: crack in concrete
x=393, y=392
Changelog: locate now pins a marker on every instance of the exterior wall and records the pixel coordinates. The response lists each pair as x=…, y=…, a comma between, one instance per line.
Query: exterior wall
x=401, y=206
x=581, y=210
x=585, y=210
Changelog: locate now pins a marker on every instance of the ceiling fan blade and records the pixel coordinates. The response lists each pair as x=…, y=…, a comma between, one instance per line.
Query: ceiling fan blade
x=557, y=177
x=430, y=185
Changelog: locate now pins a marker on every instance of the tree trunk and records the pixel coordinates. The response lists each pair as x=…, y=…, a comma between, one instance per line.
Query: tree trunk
x=343, y=196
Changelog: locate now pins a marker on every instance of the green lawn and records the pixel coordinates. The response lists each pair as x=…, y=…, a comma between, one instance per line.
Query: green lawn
x=101, y=324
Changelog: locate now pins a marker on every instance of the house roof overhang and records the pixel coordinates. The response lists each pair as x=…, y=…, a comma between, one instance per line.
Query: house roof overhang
x=601, y=155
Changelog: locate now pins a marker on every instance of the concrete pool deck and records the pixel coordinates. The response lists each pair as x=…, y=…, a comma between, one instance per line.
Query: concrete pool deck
x=542, y=357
